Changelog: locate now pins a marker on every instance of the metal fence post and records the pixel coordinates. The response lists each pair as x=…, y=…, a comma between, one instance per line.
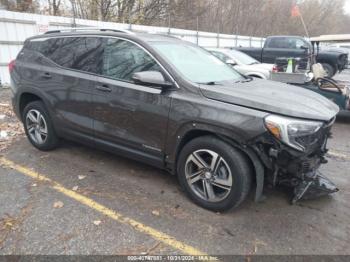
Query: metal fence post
x=236, y=40
x=197, y=30
x=218, y=40
x=250, y=41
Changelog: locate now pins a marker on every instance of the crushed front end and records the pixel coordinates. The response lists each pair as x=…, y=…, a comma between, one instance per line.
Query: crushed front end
x=292, y=151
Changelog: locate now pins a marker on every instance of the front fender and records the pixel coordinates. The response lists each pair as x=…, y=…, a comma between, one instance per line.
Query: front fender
x=194, y=129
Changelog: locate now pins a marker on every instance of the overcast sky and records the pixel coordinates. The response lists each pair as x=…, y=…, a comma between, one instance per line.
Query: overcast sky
x=347, y=6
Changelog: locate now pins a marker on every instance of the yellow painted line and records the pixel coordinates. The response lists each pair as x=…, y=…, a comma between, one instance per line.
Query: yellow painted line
x=138, y=226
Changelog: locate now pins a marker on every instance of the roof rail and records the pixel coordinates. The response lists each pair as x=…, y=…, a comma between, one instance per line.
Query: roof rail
x=75, y=29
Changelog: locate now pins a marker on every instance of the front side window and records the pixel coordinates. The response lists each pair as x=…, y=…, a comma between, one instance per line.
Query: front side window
x=122, y=59
x=195, y=63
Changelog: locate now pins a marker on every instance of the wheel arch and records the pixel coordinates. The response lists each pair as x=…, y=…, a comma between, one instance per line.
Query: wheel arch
x=26, y=98
x=257, y=75
x=236, y=142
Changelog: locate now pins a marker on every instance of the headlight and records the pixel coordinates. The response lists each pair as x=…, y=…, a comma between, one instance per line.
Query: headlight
x=293, y=131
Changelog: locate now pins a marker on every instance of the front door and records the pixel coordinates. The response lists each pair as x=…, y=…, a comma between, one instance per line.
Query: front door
x=129, y=117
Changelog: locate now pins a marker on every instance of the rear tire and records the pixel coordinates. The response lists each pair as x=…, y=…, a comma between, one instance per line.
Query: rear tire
x=229, y=175
x=329, y=69
x=38, y=126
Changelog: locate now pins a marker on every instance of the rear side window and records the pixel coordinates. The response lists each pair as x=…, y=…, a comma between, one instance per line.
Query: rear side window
x=122, y=59
x=80, y=53
x=33, y=45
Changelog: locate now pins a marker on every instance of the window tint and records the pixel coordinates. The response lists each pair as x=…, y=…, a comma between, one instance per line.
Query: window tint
x=122, y=59
x=81, y=53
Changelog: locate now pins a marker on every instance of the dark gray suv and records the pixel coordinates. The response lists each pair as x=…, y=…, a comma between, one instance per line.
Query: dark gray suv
x=173, y=105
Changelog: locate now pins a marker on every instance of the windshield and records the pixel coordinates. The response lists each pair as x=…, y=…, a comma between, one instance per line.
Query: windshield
x=196, y=64
x=242, y=58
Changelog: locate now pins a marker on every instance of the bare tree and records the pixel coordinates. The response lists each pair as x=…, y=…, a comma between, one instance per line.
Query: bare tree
x=54, y=7
x=28, y=6
x=244, y=17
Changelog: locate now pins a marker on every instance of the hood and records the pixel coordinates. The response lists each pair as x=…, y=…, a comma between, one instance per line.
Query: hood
x=274, y=97
x=334, y=51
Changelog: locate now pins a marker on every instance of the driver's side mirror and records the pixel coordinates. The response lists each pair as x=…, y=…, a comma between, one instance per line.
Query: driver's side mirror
x=231, y=62
x=151, y=78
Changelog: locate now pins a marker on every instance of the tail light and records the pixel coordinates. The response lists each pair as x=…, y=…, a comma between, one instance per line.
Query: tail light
x=274, y=69
x=12, y=65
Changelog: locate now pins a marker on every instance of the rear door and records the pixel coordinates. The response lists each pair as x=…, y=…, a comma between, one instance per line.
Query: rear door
x=75, y=63
x=130, y=117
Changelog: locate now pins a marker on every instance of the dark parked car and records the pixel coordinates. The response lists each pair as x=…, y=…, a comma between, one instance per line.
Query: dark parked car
x=173, y=105
x=296, y=46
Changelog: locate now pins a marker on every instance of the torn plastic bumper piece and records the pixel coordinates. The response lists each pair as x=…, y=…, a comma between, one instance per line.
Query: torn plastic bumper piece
x=314, y=185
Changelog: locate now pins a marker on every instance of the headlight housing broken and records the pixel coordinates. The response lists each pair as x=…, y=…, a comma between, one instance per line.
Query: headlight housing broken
x=296, y=133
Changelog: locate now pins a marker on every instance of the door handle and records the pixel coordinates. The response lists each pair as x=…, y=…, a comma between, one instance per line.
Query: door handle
x=103, y=88
x=46, y=75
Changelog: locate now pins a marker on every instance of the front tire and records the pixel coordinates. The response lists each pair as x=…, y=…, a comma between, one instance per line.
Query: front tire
x=38, y=126
x=214, y=174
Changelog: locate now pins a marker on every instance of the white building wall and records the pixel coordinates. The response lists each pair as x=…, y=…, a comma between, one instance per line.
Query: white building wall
x=16, y=27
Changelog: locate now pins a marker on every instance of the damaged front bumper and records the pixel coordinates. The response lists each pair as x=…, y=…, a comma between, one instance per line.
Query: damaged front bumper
x=286, y=166
x=314, y=185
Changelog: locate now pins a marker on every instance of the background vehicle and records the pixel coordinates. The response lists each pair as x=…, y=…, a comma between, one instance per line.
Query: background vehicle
x=172, y=104
x=338, y=47
x=317, y=81
x=242, y=62
x=295, y=46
